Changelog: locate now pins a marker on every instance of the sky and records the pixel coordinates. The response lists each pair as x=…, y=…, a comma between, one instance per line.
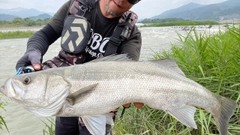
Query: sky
x=144, y=9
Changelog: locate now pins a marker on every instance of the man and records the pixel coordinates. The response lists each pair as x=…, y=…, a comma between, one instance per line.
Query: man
x=103, y=17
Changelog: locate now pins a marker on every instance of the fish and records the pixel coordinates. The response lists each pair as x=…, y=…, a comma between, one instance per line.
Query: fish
x=100, y=86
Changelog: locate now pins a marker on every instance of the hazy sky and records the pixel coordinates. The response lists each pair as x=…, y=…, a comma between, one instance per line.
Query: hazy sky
x=144, y=9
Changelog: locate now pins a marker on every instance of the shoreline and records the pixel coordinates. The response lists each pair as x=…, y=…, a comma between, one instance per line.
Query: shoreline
x=21, y=28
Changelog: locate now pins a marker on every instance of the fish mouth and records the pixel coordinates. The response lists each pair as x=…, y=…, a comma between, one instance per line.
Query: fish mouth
x=2, y=88
x=7, y=89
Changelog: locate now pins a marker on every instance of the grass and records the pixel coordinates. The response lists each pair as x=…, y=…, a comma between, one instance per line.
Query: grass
x=175, y=22
x=49, y=127
x=2, y=121
x=179, y=23
x=211, y=60
x=16, y=34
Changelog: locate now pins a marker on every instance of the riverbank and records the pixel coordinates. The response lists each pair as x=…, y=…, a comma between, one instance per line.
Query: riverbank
x=21, y=28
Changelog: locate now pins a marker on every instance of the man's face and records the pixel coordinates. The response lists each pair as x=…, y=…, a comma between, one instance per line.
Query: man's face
x=116, y=8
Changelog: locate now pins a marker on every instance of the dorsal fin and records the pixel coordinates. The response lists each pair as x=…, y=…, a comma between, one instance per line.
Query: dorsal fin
x=169, y=64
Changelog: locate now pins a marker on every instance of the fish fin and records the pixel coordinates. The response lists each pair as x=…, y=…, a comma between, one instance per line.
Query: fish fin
x=169, y=64
x=185, y=115
x=96, y=125
x=113, y=57
x=72, y=97
x=109, y=119
x=224, y=113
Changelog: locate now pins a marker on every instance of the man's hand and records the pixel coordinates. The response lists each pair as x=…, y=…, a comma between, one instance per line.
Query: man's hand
x=37, y=66
x=32, y=57
x=136, y=104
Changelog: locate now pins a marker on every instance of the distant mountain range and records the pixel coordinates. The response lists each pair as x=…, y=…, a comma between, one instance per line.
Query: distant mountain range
x=227, y=10
x=33, y=14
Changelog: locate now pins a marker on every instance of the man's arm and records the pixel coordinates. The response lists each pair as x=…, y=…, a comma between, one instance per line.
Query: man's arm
x=43, y=38
x=39, y=42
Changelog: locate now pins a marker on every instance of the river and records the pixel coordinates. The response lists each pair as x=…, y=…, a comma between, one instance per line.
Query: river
x=22, y=122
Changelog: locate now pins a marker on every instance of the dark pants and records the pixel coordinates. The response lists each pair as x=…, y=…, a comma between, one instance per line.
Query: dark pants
x=71, y=126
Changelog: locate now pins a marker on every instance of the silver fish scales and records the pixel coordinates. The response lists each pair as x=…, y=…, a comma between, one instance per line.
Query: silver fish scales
x=102, y=85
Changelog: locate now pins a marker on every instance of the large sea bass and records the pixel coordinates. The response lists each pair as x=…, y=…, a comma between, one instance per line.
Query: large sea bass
x=100, y=86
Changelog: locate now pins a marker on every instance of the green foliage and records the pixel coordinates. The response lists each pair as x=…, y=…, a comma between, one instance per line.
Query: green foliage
x=174, y=22
x=2, y=122
x=49, y=127
x=24, y=22
x=16, y=34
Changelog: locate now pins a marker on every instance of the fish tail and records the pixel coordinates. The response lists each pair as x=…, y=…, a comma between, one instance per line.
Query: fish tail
x=224, y=113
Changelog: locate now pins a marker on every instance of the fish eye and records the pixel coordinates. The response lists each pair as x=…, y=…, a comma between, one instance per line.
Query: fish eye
x=27, y=80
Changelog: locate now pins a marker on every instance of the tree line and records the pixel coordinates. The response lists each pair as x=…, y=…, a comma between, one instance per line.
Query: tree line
x=176, y=22
x=24, y=22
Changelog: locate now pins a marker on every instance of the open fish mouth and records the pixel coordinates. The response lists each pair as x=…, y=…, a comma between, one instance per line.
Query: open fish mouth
x=5, y=88
x=2, y=88
x=9, y=89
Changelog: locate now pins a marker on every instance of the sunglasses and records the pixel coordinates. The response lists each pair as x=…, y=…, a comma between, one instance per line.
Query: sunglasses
x=133, y=1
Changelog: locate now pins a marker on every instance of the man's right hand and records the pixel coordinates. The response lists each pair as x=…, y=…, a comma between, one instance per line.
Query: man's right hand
x=32, y=57
x=136, y=104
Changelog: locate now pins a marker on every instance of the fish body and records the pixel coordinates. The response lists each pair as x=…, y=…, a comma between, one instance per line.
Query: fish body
x=101, y=86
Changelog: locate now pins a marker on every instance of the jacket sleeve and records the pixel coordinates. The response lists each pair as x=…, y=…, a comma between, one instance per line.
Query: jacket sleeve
x=43, y=38
x=132, y=46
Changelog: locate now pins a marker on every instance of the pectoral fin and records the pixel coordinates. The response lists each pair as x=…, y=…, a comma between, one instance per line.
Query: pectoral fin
x=185, y=115
x=72, y=97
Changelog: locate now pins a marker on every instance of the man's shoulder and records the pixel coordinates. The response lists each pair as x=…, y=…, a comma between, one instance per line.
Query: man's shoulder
x=129, y=14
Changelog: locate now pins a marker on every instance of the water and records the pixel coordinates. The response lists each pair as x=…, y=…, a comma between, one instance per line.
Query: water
x=22, y=122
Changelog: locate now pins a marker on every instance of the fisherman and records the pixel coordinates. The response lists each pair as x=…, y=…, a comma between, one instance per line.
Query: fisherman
x=89, y=29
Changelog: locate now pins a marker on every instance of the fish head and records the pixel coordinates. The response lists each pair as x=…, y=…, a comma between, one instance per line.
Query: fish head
x=22, y=86
x=37, y=89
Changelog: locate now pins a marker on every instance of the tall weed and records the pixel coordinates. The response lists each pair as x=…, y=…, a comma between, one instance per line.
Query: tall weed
x=2, y=121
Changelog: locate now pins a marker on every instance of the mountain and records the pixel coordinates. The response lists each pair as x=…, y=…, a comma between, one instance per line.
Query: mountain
x=21, y=12
x=177, y=11
x=10, y=14
x=41, y=16
x=221, y=11
x=7, y=17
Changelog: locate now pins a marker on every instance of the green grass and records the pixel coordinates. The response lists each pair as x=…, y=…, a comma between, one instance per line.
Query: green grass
x=2, y=121
x=16, y=34
x=180, y=23
x=49, y=127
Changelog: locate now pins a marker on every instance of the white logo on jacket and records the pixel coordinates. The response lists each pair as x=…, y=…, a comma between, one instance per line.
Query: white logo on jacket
x=96, y=45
